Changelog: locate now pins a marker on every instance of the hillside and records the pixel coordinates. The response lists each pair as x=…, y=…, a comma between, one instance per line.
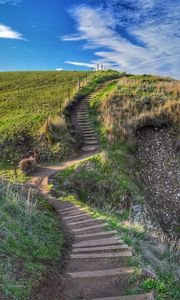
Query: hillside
x=131, y=180
x=134, y=180
x=26, y=101
x=31, y=111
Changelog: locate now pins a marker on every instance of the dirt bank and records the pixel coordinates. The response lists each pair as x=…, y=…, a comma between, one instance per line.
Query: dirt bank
x=160, y=172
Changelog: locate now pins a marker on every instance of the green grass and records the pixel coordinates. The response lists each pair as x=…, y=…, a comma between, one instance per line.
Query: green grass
x=138, y=101
x=165, y=284
x=31, y=241
x=108, y=182
x=27, y=99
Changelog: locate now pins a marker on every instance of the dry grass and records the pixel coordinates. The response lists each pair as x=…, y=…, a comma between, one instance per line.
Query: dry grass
x=137, y=102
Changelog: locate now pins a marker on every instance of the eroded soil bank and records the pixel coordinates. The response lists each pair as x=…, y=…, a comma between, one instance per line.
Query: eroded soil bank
x=160, y=173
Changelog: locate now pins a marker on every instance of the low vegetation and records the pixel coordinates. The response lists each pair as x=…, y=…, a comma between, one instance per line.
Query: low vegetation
x=32, y=106
x=138, y=101
x=156, y=268
x=109, y=182
x=31, y=241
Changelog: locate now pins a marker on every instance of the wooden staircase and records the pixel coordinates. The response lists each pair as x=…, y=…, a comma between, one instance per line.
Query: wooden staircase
x=89, y=137
x=97, y=268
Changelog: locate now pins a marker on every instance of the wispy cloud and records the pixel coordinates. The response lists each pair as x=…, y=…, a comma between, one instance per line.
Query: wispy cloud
x=80, y=64
x=7, y=32
x=10, y=2
x=139, y=36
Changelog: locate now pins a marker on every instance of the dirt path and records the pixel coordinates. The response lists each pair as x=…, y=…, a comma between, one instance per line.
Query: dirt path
x=160, y=171
x=41, y=176
x=97, y=265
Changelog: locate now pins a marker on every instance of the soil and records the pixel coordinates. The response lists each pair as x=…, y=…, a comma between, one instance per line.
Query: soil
x=160, y=172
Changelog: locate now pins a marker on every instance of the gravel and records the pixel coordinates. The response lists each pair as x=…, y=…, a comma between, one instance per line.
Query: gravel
x=160, y=172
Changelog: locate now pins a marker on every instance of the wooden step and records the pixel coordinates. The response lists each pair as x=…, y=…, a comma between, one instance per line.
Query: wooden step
x=102, y=273
x=90, y=227
x=68, y=208
x=76, y=216
x=101, y=242
x=71, y=213
x=101, y=248
x=85, y=221
x=90, y=148
x=86, y=129
x=102, y=255
x=90, y=142
x=82, y=118
x=87, y=235
x=87, y=138
x=130, y=297
x=82, y=121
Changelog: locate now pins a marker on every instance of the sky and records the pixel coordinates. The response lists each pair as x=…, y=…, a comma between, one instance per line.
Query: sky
x=133, y=36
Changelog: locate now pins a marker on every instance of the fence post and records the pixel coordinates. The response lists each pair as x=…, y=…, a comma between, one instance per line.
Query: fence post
x=79, y=83
x=69, y=94
x=60, y=106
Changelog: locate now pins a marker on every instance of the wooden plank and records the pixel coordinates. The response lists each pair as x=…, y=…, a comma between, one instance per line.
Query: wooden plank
x=87, y=235
x=71, y=213
x=101, y=255
x=68, y=208
x=101, y=248
x=101, y=242
x=101, y=273
x=85, y=221
x=76, y=216
x=90, y=227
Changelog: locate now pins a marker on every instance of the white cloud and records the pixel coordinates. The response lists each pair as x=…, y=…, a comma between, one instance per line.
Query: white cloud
x=11, y=2
x=7, y=32
x=151, y=41
x=59, y=69
x=80, y=64
x=72, y=37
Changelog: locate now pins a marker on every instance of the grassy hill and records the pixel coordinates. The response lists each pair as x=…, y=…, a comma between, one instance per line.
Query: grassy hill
x=27, y=99
x=109, y=183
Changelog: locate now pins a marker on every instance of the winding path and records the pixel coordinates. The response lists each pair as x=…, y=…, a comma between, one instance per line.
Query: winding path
x=97, y=268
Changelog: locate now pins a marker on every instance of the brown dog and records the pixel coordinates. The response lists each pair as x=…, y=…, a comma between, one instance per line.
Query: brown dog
x=28, y=165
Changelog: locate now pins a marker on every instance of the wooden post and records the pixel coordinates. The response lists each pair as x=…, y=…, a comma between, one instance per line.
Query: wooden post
x=79, y=83
x=60, y=106
x=69, y=94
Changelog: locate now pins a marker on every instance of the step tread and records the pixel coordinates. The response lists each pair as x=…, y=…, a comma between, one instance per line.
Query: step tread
x=71, y=213
x=101, y=273
x=85, y=221
x=101, y=242
x=76, y=216
x=101, y=248
x=129, y=297
x=86, y=235
x=68, y=208
x=101, y=255
x=90, y=148
x=90, y=143
x=90, y=227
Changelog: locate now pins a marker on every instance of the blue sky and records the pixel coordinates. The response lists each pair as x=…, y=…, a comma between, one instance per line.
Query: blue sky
x=136, y=36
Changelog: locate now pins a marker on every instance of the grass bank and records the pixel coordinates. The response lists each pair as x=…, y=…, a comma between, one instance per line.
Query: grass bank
x=109, y=182
x=32, y=106
x=31, y=241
